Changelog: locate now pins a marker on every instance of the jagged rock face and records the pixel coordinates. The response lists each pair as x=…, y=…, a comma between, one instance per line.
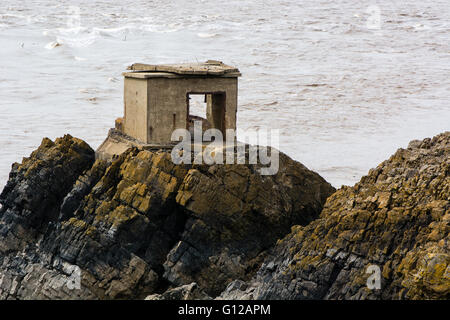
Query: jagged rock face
x=30, y=204
x=397, y=218
x=235, y=215
x=35, y=188
x=137, y=225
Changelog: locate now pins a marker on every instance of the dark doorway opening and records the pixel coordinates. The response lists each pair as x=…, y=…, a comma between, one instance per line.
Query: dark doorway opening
x=208, y=108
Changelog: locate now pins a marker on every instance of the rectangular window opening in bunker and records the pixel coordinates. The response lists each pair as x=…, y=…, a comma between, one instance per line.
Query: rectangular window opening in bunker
x=207, y=107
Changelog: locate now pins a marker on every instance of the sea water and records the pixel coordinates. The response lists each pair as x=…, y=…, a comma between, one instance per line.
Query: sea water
x=346, y=82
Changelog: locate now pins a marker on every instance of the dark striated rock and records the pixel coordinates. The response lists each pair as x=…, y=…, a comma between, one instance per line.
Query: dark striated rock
x=141, y=226
x=74, y=229
x=30, y=207
x=35, y=189
x=235, y=215
x=396, y=218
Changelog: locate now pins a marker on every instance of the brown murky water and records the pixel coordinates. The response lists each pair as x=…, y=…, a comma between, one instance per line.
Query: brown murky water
x=345, y=88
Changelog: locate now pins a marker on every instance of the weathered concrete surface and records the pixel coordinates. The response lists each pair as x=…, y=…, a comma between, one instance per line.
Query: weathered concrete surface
x=155, y=107
x=141, y=224
x=156, y=98
x=210, y=67
x=136, y=109
x=397, y=218
x=117, y=143
x=114, y=145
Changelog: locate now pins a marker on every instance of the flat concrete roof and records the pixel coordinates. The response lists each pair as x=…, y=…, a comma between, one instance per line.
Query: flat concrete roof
x=209, y=68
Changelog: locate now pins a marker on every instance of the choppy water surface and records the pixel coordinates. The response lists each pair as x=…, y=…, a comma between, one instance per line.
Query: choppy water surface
x=344, y=93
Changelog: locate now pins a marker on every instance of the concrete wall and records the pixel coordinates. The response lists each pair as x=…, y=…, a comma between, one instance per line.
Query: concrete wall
x=167, y=106
x=215, y=111
x=135, y=105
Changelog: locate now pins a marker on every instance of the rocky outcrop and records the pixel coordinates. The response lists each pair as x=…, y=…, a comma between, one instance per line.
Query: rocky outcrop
x=75, y=228
x=395, y=221
x=72, y=227
x=30, y=206
x=235, y=215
